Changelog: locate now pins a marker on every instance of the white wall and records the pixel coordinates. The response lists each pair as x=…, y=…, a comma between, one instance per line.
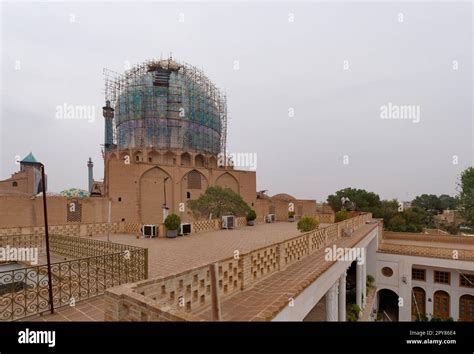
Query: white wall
x=402, y=266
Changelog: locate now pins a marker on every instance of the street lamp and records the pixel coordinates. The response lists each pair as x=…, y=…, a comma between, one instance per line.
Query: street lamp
x=165, y=207
x=46, y=232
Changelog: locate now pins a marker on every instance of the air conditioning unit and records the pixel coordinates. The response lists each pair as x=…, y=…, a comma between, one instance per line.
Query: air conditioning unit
x=270, y=218
x=149, y=230
x=185, y=229
x=228, y=222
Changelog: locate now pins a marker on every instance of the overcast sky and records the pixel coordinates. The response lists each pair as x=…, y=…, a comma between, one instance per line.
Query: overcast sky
x=335, y=65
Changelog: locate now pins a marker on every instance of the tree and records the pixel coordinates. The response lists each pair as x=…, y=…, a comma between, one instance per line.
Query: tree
x=217, y=201
x=466, y=196
x=397, y=223
x=341, y=215
x=307, y=223
x=416, y=219
x=447, y=202
x=428, y=202
x=363, y=200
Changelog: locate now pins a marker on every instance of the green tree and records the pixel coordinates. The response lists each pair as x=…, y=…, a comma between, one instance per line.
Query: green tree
x=428, y=202
x=466, y=196
x=341, y=215
x=416, y=219
x=307, y=223
x=397, y=223
x=217, y=201
x=363, y=200
x=447, y=202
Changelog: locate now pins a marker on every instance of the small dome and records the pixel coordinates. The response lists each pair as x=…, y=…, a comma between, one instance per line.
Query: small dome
x=284, y=196
x=74, y=193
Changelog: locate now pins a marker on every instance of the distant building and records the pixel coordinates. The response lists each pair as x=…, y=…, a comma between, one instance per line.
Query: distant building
x=26, y=182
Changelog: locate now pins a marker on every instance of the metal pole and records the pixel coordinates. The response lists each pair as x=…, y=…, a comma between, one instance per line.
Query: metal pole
x=164, y=188
x=108, y=220
x=45, y=212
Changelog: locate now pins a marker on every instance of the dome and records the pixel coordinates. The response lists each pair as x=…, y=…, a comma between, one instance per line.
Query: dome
x=74, y=193
x=167, y=105
x=284, y=196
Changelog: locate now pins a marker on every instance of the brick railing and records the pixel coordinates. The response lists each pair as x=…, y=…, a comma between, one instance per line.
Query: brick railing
x=23, y=241
x=65, y=229
x=434, y=252
x=438, y=250
x=176, y=297
x=411, y=236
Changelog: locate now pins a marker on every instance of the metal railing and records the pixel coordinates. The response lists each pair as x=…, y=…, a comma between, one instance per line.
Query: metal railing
x=96, y=266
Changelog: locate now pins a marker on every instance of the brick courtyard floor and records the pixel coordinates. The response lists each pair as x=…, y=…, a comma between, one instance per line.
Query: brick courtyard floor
x=269, y=296
x=171, y=256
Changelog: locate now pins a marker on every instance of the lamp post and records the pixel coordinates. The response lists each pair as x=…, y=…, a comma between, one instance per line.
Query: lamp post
x=165, y=207
x=164, y=189
x=46, y=233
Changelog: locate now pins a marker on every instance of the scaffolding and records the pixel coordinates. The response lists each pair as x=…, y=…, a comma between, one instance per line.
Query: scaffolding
x=167, y=105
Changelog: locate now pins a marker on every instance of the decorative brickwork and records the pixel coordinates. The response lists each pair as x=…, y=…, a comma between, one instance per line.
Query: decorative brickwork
x=264, y=261
x=295, y=249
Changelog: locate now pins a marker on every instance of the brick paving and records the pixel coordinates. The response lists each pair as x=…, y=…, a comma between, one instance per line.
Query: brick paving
x=172, y=256
x=269, y=296
x=87, y=310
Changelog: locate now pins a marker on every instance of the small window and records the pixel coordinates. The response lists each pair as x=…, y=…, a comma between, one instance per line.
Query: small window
x=119, y=199
x=194, y=180
x=150, y=159
x=14, y=184
x=123, y=219
x=188, y=195
x=387, y=272
x=137, y=158
x=466, y=280
x=418, y=274
x=441, y=277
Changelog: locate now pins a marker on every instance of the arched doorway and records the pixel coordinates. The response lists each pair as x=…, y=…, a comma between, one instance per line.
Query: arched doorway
x=226, y=180
x=153, y=185
x=466, y=308
x=388, y=306
x=441, y=305
x=193, y=185
x=418, y=304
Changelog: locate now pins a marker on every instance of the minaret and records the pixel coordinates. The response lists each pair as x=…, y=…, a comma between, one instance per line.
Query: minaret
x=108, y=113
x=90, y=165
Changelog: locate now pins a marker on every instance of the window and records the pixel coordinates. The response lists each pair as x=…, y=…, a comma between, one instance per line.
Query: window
x=119, y=199
x=466, y=308
x=188, y=195
x=15, y=184
x=194, y=180
x=418, y=301
x=466, y=280
x=441, y=277
x=441, y=304
x=418, y=274
x=387, y=272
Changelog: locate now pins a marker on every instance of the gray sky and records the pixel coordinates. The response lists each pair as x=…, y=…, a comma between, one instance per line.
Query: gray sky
x=53, y=54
